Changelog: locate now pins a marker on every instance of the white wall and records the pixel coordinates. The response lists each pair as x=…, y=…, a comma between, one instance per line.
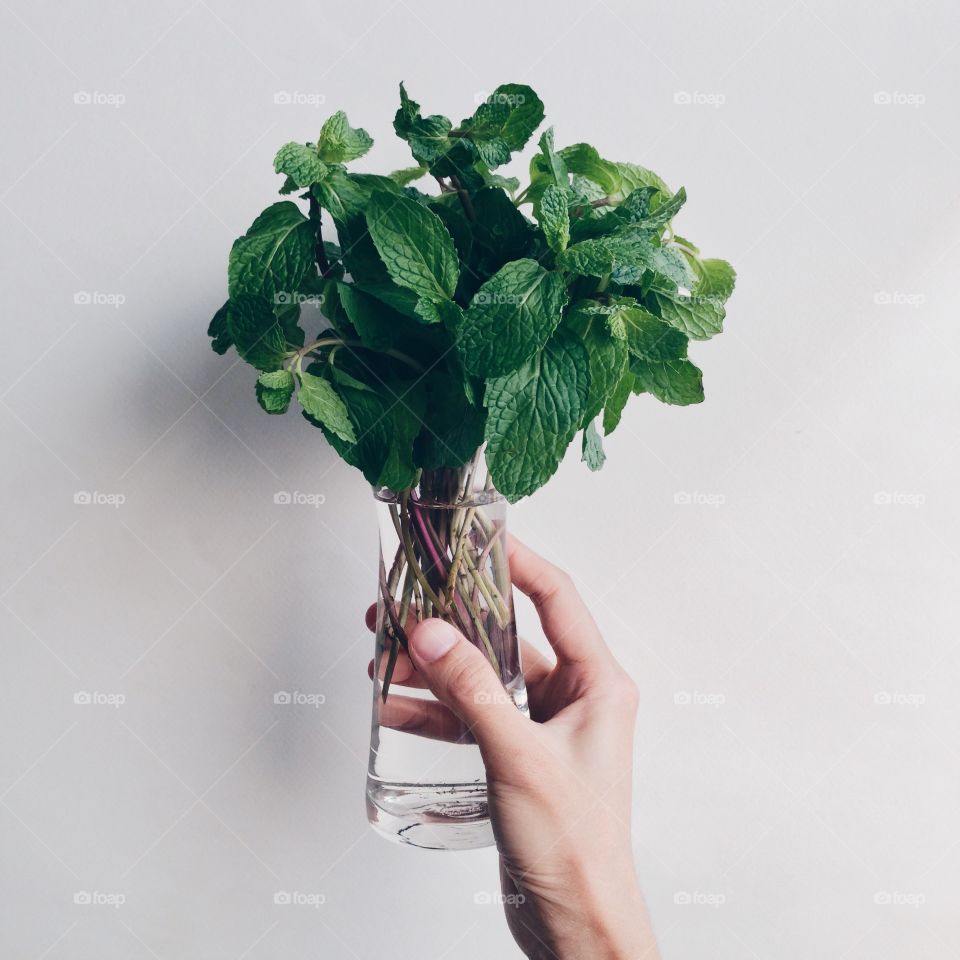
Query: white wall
x=798, y=601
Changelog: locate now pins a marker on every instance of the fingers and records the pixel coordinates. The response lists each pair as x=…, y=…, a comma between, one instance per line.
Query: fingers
x=535, y=667
x=566, y=621
x=425, y=718
x=460, y=677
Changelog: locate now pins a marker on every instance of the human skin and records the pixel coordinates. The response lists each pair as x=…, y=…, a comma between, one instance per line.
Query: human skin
x=559, y=787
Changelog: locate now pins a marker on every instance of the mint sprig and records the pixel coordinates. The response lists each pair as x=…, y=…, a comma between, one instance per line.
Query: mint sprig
x=473, y=312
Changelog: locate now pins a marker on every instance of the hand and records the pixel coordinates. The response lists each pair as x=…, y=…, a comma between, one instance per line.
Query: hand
x=559, y=788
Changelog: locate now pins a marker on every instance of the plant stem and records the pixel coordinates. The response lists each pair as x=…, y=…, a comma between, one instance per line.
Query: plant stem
x=465, y=200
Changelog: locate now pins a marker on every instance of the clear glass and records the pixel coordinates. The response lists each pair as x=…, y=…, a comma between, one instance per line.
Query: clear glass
x=442, y=554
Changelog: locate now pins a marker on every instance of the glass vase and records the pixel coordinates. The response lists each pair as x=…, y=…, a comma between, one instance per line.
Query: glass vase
x=442, y=554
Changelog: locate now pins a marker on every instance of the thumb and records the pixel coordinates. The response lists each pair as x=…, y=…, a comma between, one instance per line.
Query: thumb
x=461, y=678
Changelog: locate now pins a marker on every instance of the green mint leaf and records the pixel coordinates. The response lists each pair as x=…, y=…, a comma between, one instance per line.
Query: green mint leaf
x=510, y=318
x=274, y=255
x=665, y=211
x=414, y=246
x=510, y=184
x=462, y=160
x=453, y=426
x=633, y=176
x=553, y=164
x=607, y=353
x=716, y=280
x=533, y=414
x=398, y=298
x=446, y=312
x=255, y=331
x=339, y=142
x=300, y=163
x=554, y=218
x=500, y=231
x=378, y=327
x=218, y=332
x=646, y=335
x=319, y=399
x=600, y=256
x=274, y=390
x=289, y=186
x=408, y=175
x=386, y=425
x=627, y=258
x=427, y=136
x=504, y=122
x=592, y=455
x=613, y=410
x=584, y=161
x=346, y=195
x=700, y=318
x=676, y=382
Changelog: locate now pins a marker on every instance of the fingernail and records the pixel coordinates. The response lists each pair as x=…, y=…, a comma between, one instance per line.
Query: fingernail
x=432, y=639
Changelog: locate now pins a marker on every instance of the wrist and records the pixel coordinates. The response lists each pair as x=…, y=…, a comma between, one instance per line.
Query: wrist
x=606, y=922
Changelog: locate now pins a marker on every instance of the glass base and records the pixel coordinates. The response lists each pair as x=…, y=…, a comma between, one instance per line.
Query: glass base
x=434, y=816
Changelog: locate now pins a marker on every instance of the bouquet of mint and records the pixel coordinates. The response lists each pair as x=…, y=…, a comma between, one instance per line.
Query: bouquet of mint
x=457, y=313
